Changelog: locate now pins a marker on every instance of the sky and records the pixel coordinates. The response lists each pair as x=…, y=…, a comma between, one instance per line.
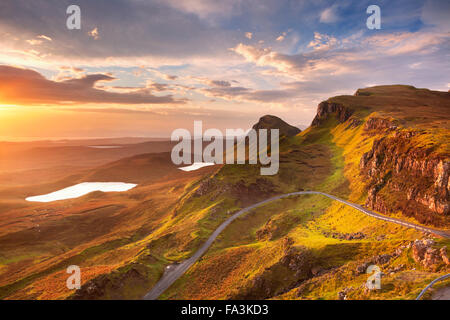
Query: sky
x=146, y=68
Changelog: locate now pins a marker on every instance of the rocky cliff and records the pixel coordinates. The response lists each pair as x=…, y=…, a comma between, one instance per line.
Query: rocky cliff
x=403, y=177
x=407, y=167
x=326, y=109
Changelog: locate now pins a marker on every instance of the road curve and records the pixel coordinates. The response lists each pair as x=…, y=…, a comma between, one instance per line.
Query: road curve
x=431, y=284
x=176, y=271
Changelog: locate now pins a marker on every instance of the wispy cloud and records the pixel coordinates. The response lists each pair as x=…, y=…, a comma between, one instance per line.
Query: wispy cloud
x=329, y=15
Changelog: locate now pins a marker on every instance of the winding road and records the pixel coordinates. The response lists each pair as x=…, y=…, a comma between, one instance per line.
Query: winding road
x=444, y=294
x=173, y=272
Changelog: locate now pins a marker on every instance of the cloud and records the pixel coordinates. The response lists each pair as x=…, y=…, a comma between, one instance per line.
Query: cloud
x=227, y=93
x=156, y=86
x=263, y=56
x=173, y=113
x=281, y=37
x=28, y=87
x=68, y=72
x=333, y=66
x=329, y=15
x=110, y=110
x=39, y=39
x=34, y=42
x=71, y=68
x=182, y=48
x=94, y=33
x=248, y=35
x=137, y=25
x=220, y=83
x=160, y=74
x=206, y=9
x=170, y=77
x=42, y=36
x=213, y=82
x=239, y=93
x=332, y=56
x=322, y=41
x=407, y=42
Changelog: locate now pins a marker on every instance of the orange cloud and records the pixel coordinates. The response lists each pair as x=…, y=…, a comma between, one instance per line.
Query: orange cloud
x=28, y=87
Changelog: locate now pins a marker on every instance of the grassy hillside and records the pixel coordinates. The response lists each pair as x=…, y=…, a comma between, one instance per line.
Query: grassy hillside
x=384, y=147
x=252, y=258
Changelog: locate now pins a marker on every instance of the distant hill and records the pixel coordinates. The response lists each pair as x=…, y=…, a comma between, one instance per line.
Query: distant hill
x=302, y=126
x=39, y=155
x=142, y=168
x=273, y=122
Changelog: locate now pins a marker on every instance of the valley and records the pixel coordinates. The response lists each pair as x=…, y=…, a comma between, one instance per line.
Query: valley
x=383, y=150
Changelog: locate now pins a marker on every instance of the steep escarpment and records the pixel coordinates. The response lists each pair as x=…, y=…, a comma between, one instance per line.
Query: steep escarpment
x=400, y=176
x=404, y=133
x=326, y=109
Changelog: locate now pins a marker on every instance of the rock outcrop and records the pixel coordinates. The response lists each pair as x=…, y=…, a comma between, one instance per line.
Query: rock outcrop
x=272, y=122
x=424, y=253
x=375, y=260
x=345, y=236
x=114, y=283
x=299, y=262
x=407, y=178
x=325, y=109
x=343, y=294
x=380, y=124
